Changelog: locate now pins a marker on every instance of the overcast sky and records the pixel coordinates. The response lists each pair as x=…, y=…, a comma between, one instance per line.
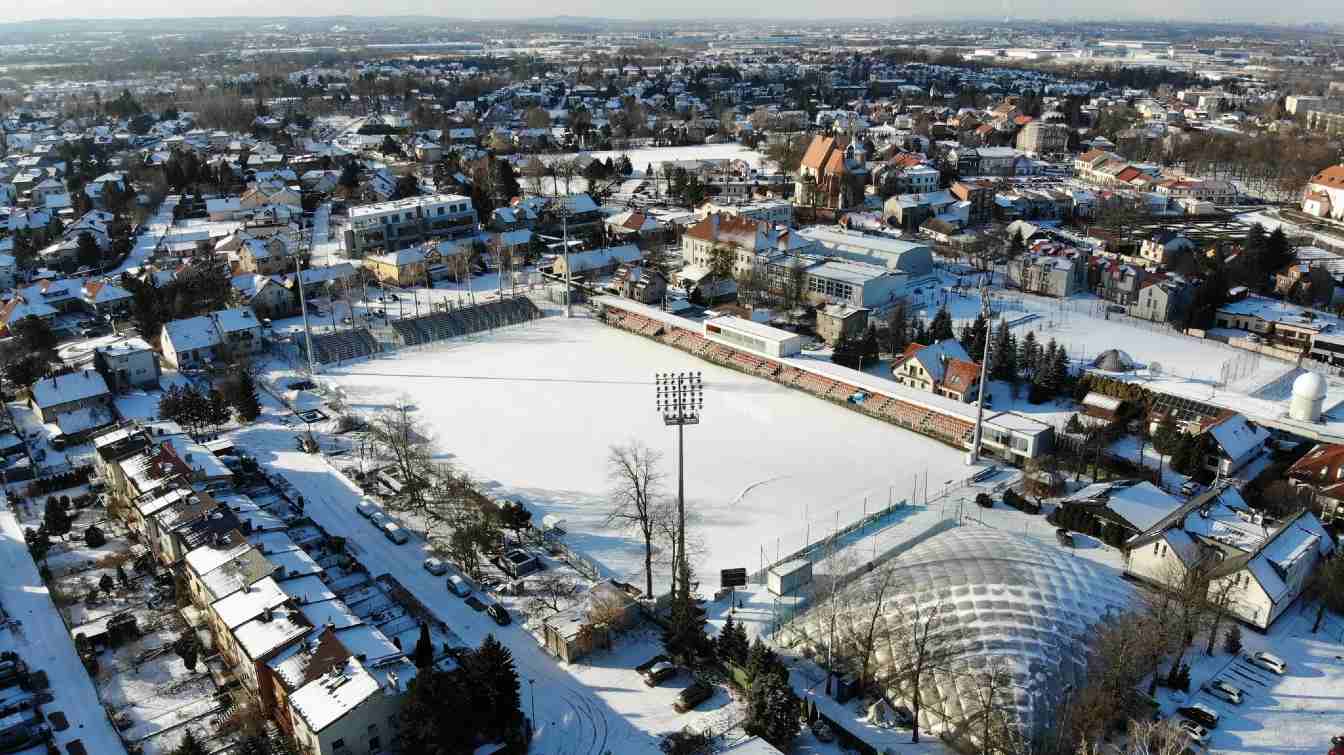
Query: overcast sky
x=1206, y=10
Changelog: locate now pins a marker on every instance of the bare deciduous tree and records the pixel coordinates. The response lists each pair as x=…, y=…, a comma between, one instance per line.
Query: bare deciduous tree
x=923, y=637
x=405, y=441
x=636, y=486
x=551, y=593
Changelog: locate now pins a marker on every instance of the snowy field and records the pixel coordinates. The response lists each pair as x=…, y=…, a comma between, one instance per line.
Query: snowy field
x=532, y=411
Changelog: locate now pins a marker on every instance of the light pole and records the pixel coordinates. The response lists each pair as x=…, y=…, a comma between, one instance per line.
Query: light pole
x=532, y=693
x=974, y=455
x=560, y=207
x=680, y=397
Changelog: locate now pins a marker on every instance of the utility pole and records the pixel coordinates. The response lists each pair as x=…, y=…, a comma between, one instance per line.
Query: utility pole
x=974, y=455
x=559, y=207
x=303, y=307
x=680, y=398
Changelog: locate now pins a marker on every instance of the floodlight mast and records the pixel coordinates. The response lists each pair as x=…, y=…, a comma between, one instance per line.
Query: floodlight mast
x=680, y=399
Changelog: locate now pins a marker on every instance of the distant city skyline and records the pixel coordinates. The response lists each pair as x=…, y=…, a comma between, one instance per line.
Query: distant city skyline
x=1211, y=11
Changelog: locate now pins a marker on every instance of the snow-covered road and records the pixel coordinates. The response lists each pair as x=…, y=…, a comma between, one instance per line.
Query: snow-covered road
x=571, y=719
x=44, y=643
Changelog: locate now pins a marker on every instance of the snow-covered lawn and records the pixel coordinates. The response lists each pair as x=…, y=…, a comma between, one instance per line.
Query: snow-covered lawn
x=531, y=411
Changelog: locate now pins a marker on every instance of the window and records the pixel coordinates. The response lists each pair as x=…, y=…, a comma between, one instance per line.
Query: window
x=440, y=211
x=338, y=744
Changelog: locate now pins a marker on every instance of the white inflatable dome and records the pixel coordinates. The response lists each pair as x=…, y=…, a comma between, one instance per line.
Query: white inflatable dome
x=1017, y=604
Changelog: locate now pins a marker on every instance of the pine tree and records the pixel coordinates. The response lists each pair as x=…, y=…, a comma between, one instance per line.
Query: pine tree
x=55, y=519
x=423, y=654
x=1026, y=355
x=1060, y=370
x=494, y=679
x=919, y=332
x=190, y=744
x=243, y=398
x=1232, y=639
x=723, y=644
x=898, y=329
x=773, y=710
x=761, y=660
x=941, y=327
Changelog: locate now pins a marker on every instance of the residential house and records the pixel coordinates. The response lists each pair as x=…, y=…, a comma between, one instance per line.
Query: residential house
x=1322, y=472
x=943, y=368
x=1230, y=442
x=1166, y=248
x=405, y=267
x=595, y=263
x=1282, y=324
x=838, y=322
x=908, y=211
x=980, y=195
x=127, y=363
x=267, y=297
x=746, y=239
x=1056, y=272
x=1216, y=535
x=103, y=298
x=54, y=396
x=1164, y=300
x=640, y=283
x=1040, y=138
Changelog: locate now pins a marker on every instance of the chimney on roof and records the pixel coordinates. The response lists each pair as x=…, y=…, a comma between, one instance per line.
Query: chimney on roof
x=267, y=614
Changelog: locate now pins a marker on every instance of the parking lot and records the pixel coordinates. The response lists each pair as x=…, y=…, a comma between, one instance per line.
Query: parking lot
x=1297, y=712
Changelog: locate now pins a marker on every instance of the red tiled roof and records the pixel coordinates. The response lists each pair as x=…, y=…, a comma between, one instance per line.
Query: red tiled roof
x=1332, y=176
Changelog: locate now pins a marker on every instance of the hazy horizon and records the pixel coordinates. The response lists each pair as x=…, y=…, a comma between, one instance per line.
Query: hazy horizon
x=1207, y=11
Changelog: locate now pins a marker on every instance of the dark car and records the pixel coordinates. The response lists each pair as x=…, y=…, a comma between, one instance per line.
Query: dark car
x=1064, y=537
x=475, y=603
x=659, y=673
x=1200, y=714
x=499, y=614
x=692, y=696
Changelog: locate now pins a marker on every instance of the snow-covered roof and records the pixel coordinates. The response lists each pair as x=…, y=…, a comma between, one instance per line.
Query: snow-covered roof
x=191, y=333
x=598, y=258
x=269, y=631
x=1237, y=436
x=235, y=320
x=63, y=389
x=247, y=604
x=335, y=693
x=1142, y=504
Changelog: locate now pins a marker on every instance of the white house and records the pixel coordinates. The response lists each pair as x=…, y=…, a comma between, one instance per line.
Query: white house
x=1219, y=535
x=1324, y=195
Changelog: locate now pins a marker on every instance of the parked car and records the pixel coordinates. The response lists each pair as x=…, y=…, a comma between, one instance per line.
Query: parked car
x=1194, y=731
x=380, y=519
x=659, y=673
x=1190, y=487
x=1200, y=714
x=396, y=533
x=366, y=508
x=1220, y=688
x=822, y=731
x=476, y=603
x=1268, y=661
x=1064, y=537
x=459, y=586
x=499, y=613
x=435, y=566
x=692, y=696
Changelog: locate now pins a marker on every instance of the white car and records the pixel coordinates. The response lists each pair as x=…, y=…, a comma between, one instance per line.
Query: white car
x=436, y=566
x=1194, y=731
x=1268, y=661
x=1220, y=688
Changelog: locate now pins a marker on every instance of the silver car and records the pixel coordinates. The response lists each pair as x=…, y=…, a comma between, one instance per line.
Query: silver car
x=1228, y=692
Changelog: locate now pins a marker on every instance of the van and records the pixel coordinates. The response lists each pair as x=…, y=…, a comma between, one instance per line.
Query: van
x=396, y=533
